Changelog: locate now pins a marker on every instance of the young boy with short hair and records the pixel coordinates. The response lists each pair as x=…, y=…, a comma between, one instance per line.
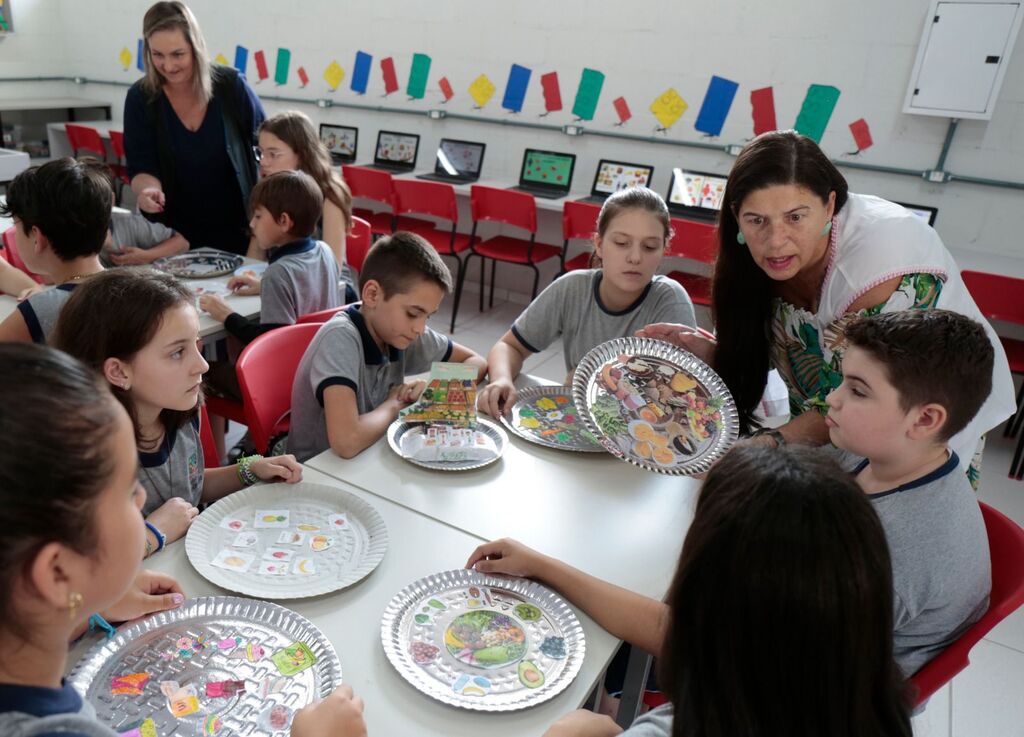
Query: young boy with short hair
x=350, y=383
x=61, y=214
x=911, y=381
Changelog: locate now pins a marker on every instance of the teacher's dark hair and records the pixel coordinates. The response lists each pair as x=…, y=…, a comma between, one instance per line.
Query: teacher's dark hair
x=55, y=431
x=741, y=292
x=781, y=608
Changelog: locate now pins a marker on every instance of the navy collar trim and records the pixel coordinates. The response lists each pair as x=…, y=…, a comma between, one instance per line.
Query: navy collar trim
x=944, y=470
x=372, y=355
x=68, y=286
x=159, y=456
x=303, y=245
x=598, y=275
x=39, y=701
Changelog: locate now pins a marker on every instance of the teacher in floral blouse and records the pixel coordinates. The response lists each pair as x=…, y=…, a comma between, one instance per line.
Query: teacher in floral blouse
x=799, y=257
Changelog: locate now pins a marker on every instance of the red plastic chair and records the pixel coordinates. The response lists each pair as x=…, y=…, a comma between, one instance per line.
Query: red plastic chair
x=358, y=243
x=323, y=315
x=416, y=197
x=13, y=257
x=517, y=209
x=999, y=298
x=85, y=138
x=210, y=457
x=1006, y=548
x=579, y=222
x=120, y=169
x=376, y=185
x=697, y=242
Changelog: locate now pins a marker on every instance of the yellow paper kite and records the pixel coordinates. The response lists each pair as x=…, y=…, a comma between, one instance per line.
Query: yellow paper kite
x=222, y=60
x=481, y=90
x=333, y=74
x=126, y=58
x=668, y=108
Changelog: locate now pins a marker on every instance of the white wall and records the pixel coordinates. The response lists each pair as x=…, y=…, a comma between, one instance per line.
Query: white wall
x=866, y=49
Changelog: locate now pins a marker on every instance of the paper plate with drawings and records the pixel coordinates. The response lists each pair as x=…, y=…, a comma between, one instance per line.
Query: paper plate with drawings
x=202, y=263
x=546, y=415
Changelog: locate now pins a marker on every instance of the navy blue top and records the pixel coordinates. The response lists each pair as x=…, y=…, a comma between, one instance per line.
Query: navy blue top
x=204, y=202
x=40, y=702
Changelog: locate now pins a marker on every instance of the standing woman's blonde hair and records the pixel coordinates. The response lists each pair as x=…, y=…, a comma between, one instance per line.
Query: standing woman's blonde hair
x=170, y=16
x=295, y=130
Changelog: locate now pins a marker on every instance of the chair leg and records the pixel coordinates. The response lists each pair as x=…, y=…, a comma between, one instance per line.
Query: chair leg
x=494, y=266
x=460, y=274
x=1017, y=464
x=536, y=281
x=483, y=272
x=1017, y=419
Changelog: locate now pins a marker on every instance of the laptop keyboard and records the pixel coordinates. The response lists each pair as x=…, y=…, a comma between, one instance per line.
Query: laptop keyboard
x=546, y=194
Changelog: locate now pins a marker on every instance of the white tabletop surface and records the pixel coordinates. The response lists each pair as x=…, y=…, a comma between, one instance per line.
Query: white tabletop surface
x=418, y=546
x=48, y=103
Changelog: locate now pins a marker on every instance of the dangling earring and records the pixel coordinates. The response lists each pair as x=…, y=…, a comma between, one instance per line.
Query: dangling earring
x=740, y=238
x=827, y=229
x=125, y=386
x=74, y=601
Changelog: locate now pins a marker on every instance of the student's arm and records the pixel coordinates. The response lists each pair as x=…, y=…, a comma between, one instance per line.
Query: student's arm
x=349, y=432
x=219, y=482
x=149, y=193
x=637, y=619
x=462, y=354
x=132, y=256
x=335, y=228
x=13, y=280
x=504, y=362
x=14, y=329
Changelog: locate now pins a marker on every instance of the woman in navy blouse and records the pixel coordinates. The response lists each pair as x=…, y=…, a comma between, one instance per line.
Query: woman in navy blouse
x=190, y=130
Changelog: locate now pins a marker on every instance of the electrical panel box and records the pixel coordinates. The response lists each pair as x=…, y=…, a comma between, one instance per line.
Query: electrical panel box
x=964, y=52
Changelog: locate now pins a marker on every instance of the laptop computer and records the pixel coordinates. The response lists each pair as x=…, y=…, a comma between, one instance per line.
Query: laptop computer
x=457, y=161
x=396, y=151
x=611, y=176
x=546, y=174
x=341, y=142
x=695, y=194
x=928, y=214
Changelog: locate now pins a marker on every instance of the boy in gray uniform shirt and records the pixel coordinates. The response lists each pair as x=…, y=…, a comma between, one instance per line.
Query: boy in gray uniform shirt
x=302, y=277
x=912, y=380
x=349, y=385
x=133, y=240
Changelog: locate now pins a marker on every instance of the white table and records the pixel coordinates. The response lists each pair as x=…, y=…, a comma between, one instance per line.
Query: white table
x=418, y=546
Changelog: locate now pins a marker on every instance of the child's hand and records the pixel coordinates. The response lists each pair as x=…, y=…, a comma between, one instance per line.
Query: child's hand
x=215, y=305
x=497, y=398
x=26, y=293
x=151, y=592
x=506, y=556
x=151, y=199
x=583, y=723
x=245, y=284
x=681, y=335
x=339, y=715
x=173, y=518
x=409, y=392
x=279, y=468
x=131, y=256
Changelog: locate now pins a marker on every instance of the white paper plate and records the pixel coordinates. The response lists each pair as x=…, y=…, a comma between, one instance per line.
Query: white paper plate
x=256, y=269
x=358, y=544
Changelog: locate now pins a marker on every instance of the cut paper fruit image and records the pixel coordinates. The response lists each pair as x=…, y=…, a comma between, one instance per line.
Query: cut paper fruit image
x=861, y=135
x=233, y=560
x=232, y=523
x=481, y=90
x=304, y=567
x=715, y=108
x=270, y=518
x=762, y=110
x=446, y=88
x=817, y=108
x=486, y=639
x=423, y=653
x=333, y=75
x=552, y=93
x=416, y=89
x=622, y=110
x=587, y=94
x=668, y=108
x=320, y=543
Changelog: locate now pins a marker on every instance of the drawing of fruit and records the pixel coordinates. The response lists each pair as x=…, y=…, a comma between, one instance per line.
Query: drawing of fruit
x=527, y=612
x=485, y=639
x=423, y=653
x=530, y=675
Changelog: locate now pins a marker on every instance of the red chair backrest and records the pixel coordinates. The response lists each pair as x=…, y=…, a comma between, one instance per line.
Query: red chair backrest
x=210, y=457
x=693, y=240
x=1006, y=548
x=998, y=297
x=13, y=257
x=503, y=206
x=358, y=243
x=117, y=143
x=425, y=198
x=370, y=184
x=266, y=372
x=579, y=219
x=84, y=138
x=323, y=315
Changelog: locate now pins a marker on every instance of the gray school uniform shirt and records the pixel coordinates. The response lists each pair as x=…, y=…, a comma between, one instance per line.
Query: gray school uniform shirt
x=41, y=310
x=31, y=711
x=655, y=723
x=129, y=229
x=175, y=469
x=343, y=353
x=941, y=567
x=302, y=277
x=571, y=308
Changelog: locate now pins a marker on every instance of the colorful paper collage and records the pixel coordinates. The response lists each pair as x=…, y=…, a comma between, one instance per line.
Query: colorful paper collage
x=552, y=92
x=668, y=108
x=418, y=74
x=449, y=397
x=715, y=108
x=816, y=111
x=515, y=88
x=762, y=105
x=361, y=72
x=588, y=94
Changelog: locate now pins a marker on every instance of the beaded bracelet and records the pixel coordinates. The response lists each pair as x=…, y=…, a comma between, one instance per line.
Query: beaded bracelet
x=245, y=473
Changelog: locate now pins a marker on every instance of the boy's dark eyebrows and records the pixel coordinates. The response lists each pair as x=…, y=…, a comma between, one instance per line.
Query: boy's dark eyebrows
x=854, y=377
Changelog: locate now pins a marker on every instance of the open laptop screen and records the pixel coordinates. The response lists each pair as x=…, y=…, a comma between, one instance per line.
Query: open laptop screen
x=459, y=158
x=341, y=141
x=547, y=169
x=928, y=214
x=696, y=189
x=612, y=176
x=397, y=148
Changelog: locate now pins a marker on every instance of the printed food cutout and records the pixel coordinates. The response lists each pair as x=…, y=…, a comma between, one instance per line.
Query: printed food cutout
x=252, y=652
x=527, y=612
x=271, y=518
x=337, y=521
x=185, y=648
x=320, y=543
x=553, y=419
x=274, y=568
x=231, y=523
x=468, y=685
x=304, y=567
x=224, y=689
x=293, y=659
x=530, y=675
x=245, y=540
x=271, y=685
x=553, y=647
x=423, y=653
x=276, y=718
x=145, y=728
x=282, y=555
x=181, y=700
x=130, y=684
x=291, y=538
x=212, y=724
x=485, y=639
x=307, y=527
